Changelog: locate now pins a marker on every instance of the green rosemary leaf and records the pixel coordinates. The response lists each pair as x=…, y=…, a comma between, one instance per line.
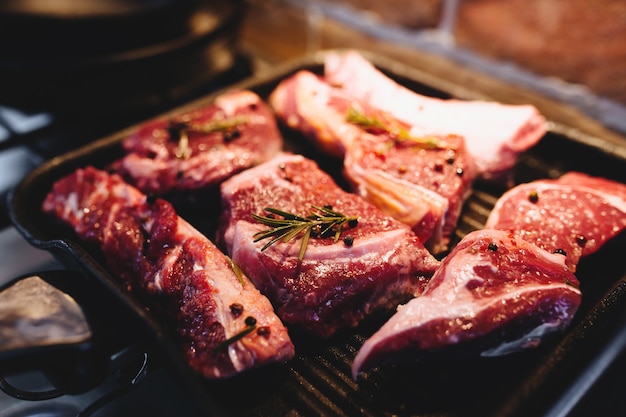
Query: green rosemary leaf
x=321, y=222
x=236, y=270
x=216, y=125
x=304, y=243
x=225, y=343
x=399, y=134
x=181, y=130
x=183, y=151
x=286, y=215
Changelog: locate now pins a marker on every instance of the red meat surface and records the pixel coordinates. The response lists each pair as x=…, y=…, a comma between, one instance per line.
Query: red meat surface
x=155, y=252
x=200, y=148
x=491, y=281
x=373, y=266
x=575, y=214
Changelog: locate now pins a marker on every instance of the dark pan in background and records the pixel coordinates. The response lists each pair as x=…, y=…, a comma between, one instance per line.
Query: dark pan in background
x=317, y=381
x=114, y=55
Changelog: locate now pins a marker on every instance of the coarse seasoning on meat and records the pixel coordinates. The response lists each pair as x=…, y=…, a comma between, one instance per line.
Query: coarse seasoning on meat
x=374, y=263
x=574, y=215
x=200, y=148
x=492, y=287
x=226, y=326
x=422, y=181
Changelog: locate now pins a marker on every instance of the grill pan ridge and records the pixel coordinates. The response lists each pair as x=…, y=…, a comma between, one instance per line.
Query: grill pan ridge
x=318, y=380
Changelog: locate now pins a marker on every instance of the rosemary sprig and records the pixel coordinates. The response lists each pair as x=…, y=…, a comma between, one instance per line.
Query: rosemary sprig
x=216, y=125
x=180, y=131
x=398, y=133
x=183, y=151
x=322, y=221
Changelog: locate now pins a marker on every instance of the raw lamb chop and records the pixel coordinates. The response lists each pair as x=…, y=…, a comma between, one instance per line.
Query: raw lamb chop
x=372, y=263
x=200, y=148
x=495, y=133
x=424, y=188
x=492, y=287
x=575, y=214
x=421, y=181
x=225, y=324
x=307, y=103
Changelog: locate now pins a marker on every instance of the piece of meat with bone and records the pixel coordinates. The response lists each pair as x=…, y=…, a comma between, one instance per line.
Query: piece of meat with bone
x=308, y=104
x=495, y=133
x=422, y=181
x=493, y=292
x=575, y=214
x=326, y=258
x=200, y=148
x=225, y=324
x=424, y=186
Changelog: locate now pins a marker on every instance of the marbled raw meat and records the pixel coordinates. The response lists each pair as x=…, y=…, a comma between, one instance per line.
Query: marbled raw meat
x=155, y=252
x=424, y=188
x=200, y=148
x=372, y=267
x=306, y=103
x=421, y=181
x=495, y=133
x=576, y=213
x=490, y=283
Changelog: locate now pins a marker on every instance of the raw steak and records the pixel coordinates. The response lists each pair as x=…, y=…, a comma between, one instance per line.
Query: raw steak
x=307, y=103
x=202, y=147
x=373, y=266
x=575, y=214
x=421, y=181
x=422, y=187
x=491, y=284
x=155, y=252
x=495, y=133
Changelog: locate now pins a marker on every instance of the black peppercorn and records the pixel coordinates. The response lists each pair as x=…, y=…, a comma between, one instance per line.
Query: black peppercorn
x=232, y=135
x=236, y=309
x=263, y=331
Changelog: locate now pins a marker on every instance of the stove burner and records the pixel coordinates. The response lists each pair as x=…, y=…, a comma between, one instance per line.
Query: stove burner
x=34, y=394
x=28, y=394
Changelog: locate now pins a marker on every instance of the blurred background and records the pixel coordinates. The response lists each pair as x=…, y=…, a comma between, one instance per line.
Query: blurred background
x=572, y=51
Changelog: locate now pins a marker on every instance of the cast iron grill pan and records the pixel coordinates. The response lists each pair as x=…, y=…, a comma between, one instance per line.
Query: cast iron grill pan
x=318, y=380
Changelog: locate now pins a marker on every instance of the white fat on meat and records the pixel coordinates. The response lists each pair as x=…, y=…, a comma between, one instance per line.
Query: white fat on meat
x=495, y=133
x=454, y=299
